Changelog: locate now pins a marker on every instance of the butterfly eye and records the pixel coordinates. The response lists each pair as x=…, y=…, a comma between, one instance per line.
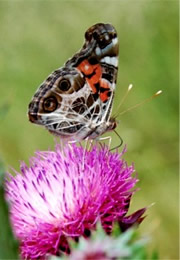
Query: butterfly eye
x=64, y=84
x=50, y=104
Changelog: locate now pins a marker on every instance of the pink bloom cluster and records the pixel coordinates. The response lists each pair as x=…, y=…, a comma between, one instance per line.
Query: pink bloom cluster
x=64, y=193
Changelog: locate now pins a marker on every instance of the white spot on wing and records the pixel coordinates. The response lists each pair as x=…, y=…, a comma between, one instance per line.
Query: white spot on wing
x=113, y=85
x=115, y=41
x=86, y=67
x=114, y=61
x=98, y=51
x=110, y=60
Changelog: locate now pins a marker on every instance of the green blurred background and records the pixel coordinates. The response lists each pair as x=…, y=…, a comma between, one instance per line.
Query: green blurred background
x=39, y=36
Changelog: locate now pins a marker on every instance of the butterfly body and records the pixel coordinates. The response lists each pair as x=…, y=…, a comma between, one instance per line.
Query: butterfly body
x=75, y=101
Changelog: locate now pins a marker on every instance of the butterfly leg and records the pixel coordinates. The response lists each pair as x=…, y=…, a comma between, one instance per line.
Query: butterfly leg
x=109, y=138
x=87, y=147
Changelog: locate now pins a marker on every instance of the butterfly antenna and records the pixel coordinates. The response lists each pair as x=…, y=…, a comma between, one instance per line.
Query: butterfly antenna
x=121, y=141
x=141, y=103
x=123, y=99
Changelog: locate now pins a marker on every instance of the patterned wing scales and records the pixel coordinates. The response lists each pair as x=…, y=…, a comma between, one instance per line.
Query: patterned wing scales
x=75, y=101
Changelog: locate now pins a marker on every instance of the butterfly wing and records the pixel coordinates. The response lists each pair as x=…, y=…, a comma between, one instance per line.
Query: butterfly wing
x=76, y=99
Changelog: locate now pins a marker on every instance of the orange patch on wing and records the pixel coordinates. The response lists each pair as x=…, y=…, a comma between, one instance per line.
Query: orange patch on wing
x=94, y=89
x=93, y=74
x=104, y=96
x=105, y=85
x=87, y=69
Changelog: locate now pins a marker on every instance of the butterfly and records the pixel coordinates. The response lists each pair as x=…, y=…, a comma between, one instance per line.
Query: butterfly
x=75, y=101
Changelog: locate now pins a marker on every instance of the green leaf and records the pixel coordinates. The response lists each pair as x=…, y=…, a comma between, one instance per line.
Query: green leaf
x=8, y=245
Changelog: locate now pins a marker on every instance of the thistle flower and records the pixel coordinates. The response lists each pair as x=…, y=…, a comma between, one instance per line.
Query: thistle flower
x=64, y=193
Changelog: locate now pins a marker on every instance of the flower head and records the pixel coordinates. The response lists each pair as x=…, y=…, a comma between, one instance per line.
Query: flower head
x=64, y=193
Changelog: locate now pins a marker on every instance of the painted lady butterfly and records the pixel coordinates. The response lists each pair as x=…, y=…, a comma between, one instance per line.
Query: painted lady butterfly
x=75, y=101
